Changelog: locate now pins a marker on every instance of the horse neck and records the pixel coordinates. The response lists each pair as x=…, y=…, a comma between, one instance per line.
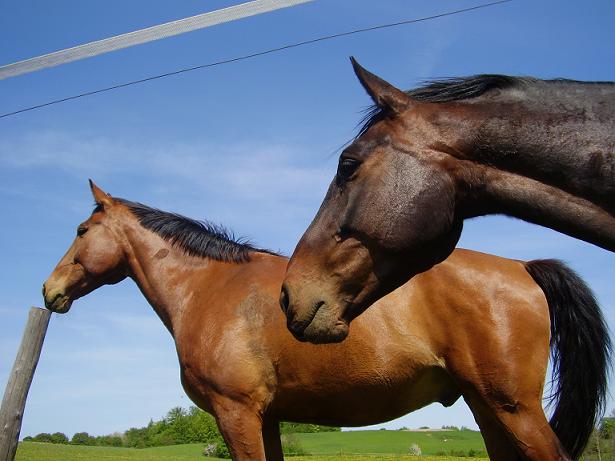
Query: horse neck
x=546, y=156
x=166, y=275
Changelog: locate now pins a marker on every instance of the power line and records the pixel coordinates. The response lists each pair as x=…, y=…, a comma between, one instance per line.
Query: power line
x=253, y=55
x=149, y=34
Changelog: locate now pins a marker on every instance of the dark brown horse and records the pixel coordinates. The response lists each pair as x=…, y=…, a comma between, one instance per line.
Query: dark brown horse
x=542, y=151
x=476, y=326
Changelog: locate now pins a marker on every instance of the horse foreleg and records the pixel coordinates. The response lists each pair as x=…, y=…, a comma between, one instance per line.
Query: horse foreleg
x=242, y=429
x=273, y=444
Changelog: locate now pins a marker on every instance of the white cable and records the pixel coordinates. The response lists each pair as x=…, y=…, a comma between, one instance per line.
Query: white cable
x=148, y=34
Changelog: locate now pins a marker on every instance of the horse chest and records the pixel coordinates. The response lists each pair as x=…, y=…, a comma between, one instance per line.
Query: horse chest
x=225, y=365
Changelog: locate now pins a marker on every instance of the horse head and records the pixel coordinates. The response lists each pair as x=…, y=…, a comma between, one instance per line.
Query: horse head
x=95, y=258
x=388, y=215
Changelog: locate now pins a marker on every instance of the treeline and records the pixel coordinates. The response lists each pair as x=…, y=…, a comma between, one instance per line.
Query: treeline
x=179, y=426
x=80, y=438
x=300, y=428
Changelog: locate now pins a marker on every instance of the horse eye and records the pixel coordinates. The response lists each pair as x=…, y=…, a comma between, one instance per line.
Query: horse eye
x=347, y=167
x=81, y=230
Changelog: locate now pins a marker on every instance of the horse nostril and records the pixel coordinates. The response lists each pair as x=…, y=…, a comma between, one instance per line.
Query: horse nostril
x=44, y=290
x=284, y=299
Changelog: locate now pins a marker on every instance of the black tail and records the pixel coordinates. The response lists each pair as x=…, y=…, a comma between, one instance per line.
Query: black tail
x=581, y=349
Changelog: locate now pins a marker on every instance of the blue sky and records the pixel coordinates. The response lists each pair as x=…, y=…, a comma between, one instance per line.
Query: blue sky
x=252, y=145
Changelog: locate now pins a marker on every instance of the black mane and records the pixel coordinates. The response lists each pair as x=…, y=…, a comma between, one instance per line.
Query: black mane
x=196, y=238
x=458, y=88
x=448, y=90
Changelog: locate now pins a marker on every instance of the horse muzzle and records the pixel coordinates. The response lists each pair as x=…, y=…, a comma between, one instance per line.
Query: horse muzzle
x=56, y=301
x=318, y=324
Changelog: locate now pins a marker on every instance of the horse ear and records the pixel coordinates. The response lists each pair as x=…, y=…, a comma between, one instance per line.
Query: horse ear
x=100, y=196
x=385, y=95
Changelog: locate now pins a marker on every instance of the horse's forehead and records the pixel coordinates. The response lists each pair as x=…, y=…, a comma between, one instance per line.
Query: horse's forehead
x=98, y=216
x=406, y=128
x=382, y=134
x=365, y=145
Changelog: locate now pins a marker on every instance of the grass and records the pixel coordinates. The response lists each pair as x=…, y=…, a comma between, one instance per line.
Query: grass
x=32, y=451
x=390, y=442
x=325, y=446
x=381, y=458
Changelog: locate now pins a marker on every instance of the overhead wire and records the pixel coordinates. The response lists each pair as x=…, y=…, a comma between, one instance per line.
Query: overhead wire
x=149, y=34
x=253, y=55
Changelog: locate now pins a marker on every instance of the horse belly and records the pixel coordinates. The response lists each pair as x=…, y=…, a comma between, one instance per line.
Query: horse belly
x=365, y=403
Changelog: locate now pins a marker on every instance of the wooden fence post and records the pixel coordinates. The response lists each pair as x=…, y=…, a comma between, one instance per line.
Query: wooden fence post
x=18, y=385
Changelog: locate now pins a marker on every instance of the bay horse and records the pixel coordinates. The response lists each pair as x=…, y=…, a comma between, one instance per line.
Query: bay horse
x=477, y=326
x=425, y=160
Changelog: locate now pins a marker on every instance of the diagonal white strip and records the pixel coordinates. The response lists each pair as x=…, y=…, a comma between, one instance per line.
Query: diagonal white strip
x=149, y=34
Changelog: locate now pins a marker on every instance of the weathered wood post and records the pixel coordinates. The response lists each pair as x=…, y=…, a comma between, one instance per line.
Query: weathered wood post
x=14, y=401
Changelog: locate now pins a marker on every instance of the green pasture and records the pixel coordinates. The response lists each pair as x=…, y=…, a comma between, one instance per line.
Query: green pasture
x=325, y=446
x=33, y=451
x=381, y=458
x=391, y=442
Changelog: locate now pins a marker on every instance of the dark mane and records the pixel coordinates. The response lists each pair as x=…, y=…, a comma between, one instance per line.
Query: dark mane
x=456, y=89
x=196, y=238
x=448, y=90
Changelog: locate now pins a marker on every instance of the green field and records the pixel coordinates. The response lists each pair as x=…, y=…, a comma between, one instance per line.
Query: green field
x=325, y=446
x=391, y=442
x=32, y=451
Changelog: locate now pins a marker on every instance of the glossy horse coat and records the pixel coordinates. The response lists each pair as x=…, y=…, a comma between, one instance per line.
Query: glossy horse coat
x=542, y=151
x=476, y=326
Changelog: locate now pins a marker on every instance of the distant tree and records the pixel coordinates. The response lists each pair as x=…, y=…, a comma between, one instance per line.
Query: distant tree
x=43, y=437
x=301, y=428
x=83, y=438
x=174, y=414
x=112, y=440
x=424, y=427
x=28, y=439
x=162, y=439
x=116, y=441
x=203, y=427
x=58, y=437
x=136, y=437
x=178, y=426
